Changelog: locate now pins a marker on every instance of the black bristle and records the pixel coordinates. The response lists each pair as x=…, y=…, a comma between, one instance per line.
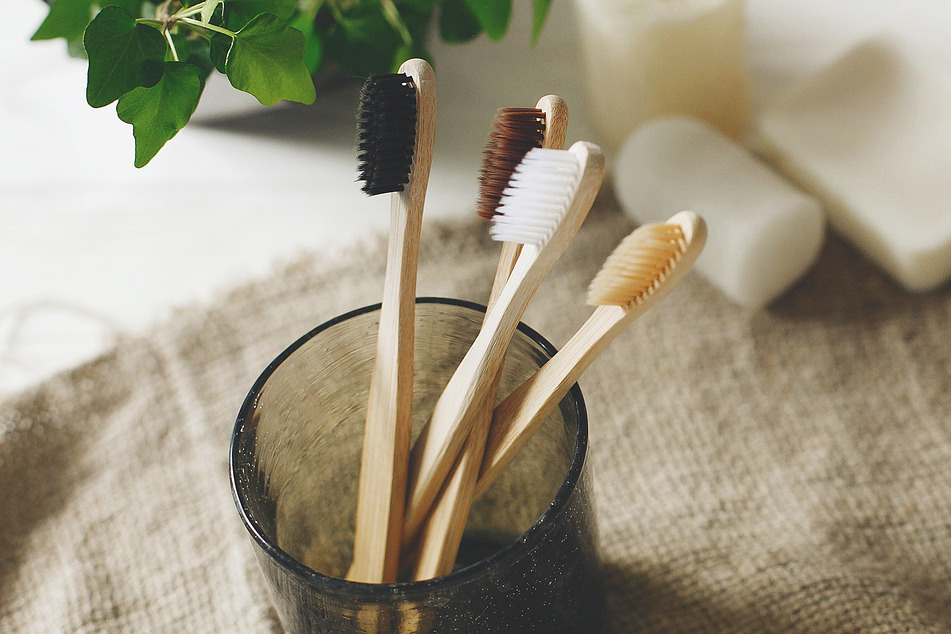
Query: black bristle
x=386, y=135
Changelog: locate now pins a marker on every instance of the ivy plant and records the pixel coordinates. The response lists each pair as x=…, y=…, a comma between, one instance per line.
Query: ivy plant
x=152, y=57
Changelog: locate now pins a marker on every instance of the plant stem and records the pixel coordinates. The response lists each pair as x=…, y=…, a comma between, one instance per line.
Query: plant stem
x=171, y=44
x=392, y=16
x=190, y=11
x=210, y=27
x=151, y=22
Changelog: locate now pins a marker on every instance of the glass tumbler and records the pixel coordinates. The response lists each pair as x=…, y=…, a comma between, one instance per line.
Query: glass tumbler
x=528, y=561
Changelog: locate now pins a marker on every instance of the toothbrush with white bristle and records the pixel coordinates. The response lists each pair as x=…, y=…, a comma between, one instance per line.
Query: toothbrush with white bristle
x=548, y=198
x=643, y=269
x=515, y=131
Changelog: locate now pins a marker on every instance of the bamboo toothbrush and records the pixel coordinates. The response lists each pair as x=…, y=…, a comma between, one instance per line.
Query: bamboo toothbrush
x=546, y=201
x=397, y=120
x=515, y=131
x=646, y=266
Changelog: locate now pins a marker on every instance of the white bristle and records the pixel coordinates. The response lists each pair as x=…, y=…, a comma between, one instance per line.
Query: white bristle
x=537, y=197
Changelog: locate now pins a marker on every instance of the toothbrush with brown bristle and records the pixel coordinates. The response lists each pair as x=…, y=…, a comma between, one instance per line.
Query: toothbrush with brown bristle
x=643, y=269
x=396, y=121
x=515, y=131
x=548, y=198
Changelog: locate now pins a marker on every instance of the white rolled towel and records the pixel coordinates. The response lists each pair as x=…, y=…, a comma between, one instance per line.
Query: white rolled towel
x=763, y=233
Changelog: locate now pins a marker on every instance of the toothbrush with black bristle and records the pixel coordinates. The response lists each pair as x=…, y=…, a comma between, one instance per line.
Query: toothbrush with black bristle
x=547, y=199
x=515, y=131
x=396, y=128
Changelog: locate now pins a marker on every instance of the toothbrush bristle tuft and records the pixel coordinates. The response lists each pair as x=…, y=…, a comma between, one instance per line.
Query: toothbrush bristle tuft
x=514, y=132
x=538, y=196
x=638, y=265
x=386, y=128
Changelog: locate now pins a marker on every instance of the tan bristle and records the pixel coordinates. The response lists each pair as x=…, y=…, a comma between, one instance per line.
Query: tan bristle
x=638, y=265
x=514, y=132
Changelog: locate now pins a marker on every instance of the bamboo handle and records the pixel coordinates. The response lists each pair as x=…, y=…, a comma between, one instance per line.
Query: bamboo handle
x=442, y=438
x=435, y=548
x=434, y=552
x=444, y=435
x=386, y=444
x=518, y=417
x=556, y=121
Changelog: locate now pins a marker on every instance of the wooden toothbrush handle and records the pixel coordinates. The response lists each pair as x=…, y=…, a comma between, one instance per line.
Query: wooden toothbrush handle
x=517, y=418
x=386, y=444
x=454, y=414
x=556, y=121
x=431, y=552
x=386, y=440
x=452, y=419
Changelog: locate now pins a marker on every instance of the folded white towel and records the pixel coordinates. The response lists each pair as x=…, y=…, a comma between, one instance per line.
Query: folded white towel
x=871, y=136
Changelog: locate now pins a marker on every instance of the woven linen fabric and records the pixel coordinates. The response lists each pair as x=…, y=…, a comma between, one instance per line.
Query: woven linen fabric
x=786, y=469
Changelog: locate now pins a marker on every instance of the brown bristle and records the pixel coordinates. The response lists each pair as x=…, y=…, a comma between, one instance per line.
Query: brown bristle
x=514, y=132
x=638, y=265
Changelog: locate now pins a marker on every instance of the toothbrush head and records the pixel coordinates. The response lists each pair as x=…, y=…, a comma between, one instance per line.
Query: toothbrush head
x=649, y=262
x=386, y=124
x=515, y=131
x=537, y=198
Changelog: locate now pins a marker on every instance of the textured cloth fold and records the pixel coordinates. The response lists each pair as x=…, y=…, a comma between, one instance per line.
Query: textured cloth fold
x=779, y=470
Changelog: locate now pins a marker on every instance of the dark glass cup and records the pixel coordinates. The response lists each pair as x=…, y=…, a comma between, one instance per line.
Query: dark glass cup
x=528, y=561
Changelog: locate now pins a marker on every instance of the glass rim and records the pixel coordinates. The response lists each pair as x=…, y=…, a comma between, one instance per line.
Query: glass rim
x=406, y=589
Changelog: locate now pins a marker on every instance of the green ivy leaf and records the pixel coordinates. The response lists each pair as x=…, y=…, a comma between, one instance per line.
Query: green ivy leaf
x=66, y=19
x=266, y=60
x=200, y=57
x=362, y=40
x=209, y=10
x=313, y=45
x=123, y=55
x=457, y=22
x=493, y=15
x=219, y=46
x=278, y=46
x=540, y=10
x=157, y=113
x=238, y=13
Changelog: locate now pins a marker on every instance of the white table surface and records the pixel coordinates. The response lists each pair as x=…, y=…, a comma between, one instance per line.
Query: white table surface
x=91, y=247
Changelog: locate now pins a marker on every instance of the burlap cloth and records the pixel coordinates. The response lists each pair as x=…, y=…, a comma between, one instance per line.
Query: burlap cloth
x=756, y=471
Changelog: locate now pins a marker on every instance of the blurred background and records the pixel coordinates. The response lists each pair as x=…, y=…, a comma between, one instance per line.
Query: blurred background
x=92, y=248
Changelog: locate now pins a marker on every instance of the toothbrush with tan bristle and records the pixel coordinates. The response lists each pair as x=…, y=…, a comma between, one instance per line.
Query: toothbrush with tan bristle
x=396, y=121
x=432, y=552
x=548, y=198
x=644, y=268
